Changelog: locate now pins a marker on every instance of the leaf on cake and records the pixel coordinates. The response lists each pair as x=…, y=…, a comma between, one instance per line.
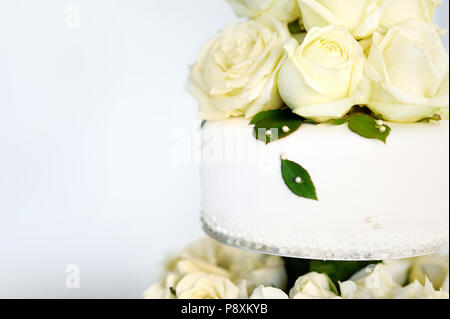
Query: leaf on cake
x=298, y=180
x=338, y=121
x=273, y=125
x=366, y=126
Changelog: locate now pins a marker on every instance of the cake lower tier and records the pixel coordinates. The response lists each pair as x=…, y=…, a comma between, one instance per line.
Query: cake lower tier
x=376, y=201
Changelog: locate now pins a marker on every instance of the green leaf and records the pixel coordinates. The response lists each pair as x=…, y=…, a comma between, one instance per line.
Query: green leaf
x=309, y=121
x=338, y=121
x=332, y=285
x=294, y=27
x=273, y=125
x=203, y=123
x=339, y=271
x=297, y=179
x=173, y=291
x=366, y=126
x=264, y=115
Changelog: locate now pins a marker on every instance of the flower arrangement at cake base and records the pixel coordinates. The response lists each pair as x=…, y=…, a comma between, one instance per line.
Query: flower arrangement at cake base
x=209, y=270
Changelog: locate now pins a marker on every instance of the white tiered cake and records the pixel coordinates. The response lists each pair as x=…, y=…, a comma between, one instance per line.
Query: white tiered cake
x=326, y=132
x=376, y=201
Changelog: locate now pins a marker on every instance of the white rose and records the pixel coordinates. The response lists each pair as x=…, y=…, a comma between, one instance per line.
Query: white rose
x=236, y=264
x=361, y=17
x=417, y=291
x=189, y=265
x=206, y=286
x=373, y=282
x=313, y=286
x=200, y=256
x=235, y=72
x=262, y=292
x=248, y=270
x=324, y=76
x=394, y=12
x=409, y=71
x=399, y=269
x=282, y=10
x=446, y=283
x=256, y=269
x=162, y=290
x=434, y=267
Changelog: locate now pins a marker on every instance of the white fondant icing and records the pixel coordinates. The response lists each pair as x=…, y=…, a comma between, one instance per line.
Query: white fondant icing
x=403, y=183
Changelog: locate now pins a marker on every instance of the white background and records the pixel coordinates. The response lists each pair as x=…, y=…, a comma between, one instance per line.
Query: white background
x=86, y=115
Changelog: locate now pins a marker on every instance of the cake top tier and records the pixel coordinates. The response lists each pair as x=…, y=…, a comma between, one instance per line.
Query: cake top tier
x=371, y=201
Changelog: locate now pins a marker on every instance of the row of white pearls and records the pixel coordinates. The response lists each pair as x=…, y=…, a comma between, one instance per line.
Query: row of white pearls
x=381, y=126
x=370, y=220
x=285, y=129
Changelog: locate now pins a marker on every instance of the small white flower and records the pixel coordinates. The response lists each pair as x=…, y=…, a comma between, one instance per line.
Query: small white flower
x=163, y=290
x=262, y=292
x=244, y=269
x=256, y=269
x=399, y=269
x=313, y=286
x=446, y=283
x=418, y=291
x=434, y=267
x=370, y=283
x=206, y=286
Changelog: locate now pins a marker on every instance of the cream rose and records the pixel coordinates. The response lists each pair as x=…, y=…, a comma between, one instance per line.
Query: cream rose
x=236, y=264
x=409, y=71
x=262, y=292
x=324, y=76
x=394, y=12
x=206, y=286
x=432, y=267
x=282, y=10
x=162, y=290
x=399, y=269
x=256, y=269
x=370, y=283
x=361, y=17
x=313, y=286
x=418, y=291
x=445, y=284
x=235, y=72
x=244, y=269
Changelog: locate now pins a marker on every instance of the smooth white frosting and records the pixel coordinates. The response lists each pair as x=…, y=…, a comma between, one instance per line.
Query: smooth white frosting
x=376, y=200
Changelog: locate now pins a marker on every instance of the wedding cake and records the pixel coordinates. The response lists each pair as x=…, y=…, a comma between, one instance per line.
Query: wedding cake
x=325, y=132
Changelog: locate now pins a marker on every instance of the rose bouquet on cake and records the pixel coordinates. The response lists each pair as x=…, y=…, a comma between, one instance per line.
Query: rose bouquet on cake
x=325, y=60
